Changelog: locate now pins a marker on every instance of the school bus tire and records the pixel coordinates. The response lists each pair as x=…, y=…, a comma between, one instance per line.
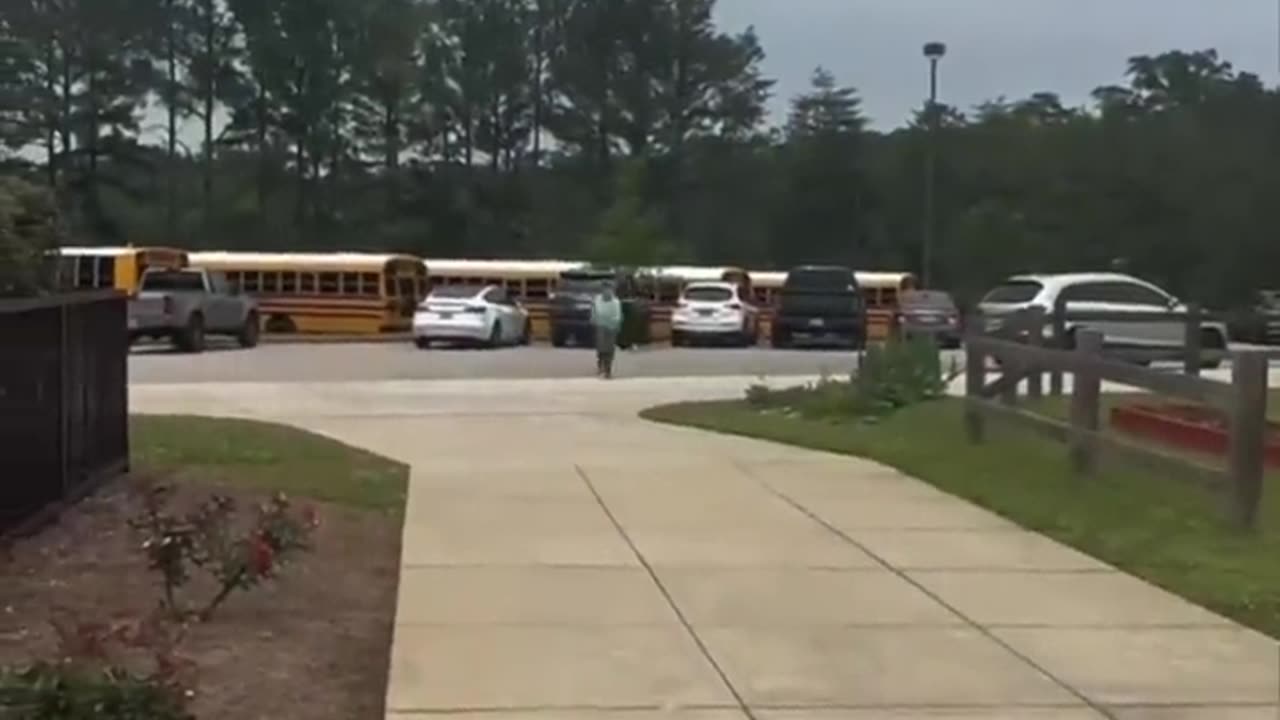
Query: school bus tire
x=281, y=325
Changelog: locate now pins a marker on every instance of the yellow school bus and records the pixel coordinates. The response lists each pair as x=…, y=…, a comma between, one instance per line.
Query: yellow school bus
x=669, y=281
x=882, y=292
x=532, y=281
x=326, y=293
x=102, y=268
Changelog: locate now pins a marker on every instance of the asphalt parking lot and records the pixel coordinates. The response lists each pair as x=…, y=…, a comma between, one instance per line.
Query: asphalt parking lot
x=401, y=361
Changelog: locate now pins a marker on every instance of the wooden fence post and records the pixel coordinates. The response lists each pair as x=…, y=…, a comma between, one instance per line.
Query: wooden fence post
x=1248, y=435
x=1086, y=391
x=1035, y=338
x=1059, y=342
x=1191, y=339
x=1012, y=330
x=975, y=376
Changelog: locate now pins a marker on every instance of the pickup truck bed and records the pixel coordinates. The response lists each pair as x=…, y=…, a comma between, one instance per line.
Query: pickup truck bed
x=188, y=305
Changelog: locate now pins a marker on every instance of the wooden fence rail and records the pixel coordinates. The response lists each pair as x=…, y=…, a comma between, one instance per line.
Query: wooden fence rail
x=1016, y=347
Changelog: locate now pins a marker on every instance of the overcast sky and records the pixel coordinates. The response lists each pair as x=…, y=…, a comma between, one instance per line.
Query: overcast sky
x=995, y=47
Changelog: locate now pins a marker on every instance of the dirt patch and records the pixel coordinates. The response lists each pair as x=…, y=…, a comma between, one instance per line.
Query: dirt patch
x=312, y=646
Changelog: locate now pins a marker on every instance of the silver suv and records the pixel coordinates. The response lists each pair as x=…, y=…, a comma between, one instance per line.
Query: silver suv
x=1152, y=320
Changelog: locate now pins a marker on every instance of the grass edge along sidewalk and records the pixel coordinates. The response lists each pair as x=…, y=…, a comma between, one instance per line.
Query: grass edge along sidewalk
x=1168, y=532
x=331, y=611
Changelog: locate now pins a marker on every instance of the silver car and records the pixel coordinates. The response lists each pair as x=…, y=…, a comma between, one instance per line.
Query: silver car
x=1151, y=322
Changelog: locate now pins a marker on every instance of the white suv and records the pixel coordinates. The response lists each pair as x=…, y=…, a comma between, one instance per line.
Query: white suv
x=1153, y=323
x=715, y=311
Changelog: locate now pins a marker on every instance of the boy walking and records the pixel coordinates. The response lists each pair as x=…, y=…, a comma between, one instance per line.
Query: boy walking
x=606, y=315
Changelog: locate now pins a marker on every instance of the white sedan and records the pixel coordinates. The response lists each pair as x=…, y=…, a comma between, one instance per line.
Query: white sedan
x=470, y=314
x=715, y=311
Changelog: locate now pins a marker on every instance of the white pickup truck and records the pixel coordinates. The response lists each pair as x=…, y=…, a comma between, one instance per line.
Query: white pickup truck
x=187, y=305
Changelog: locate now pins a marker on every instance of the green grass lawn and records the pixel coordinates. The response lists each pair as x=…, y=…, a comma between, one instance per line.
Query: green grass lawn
x=268, y=457
x=1172, y=533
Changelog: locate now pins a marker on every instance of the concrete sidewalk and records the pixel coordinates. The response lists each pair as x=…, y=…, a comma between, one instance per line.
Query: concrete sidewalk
x=564, y=559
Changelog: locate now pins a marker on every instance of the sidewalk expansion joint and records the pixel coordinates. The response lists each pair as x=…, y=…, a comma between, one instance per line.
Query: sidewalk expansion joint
x=666, y=595
x=905, y=576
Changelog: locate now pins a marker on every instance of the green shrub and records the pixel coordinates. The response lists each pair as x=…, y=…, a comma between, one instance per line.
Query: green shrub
x=124, y=669
x=888, y=377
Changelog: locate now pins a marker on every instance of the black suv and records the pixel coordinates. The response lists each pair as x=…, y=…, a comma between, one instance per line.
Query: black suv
x=820, y=302
x=571, y=307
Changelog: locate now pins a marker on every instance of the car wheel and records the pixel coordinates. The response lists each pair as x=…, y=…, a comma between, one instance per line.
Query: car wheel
x=191, y=338
x=495, y=335
x=250, y=332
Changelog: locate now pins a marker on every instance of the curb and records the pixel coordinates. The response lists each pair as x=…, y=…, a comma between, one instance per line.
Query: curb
x=333, y=339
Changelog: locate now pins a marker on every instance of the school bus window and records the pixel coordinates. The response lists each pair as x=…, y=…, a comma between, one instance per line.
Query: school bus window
x=350, y=283
x=369, y=284
x=288, y=282
x=251, y=282
x=84, y=273
x=537, y=288
x=307, y=281
x=270, y=282
x=328, y=283
x=235, y=280
x=107, y=273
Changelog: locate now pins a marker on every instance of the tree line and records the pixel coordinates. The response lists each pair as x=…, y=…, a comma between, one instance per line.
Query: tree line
x=632, y=131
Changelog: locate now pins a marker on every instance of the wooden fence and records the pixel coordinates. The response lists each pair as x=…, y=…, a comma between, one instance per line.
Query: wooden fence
x=63, y=399
x=1022, y=355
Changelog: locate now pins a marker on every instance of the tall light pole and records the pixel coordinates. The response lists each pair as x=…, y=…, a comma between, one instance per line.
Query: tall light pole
x=933, y=51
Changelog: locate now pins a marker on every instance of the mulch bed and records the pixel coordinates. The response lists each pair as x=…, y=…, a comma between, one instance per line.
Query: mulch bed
x=313, y=645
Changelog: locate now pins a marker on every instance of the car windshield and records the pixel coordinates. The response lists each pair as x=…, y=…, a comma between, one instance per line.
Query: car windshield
x=453, y=292
x=821, y=279
x=1013, y=291
x=928, y=300
x=172, y=280
x=708, y=294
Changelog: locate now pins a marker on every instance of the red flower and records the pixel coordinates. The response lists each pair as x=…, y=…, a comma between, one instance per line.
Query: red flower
x=261, y=555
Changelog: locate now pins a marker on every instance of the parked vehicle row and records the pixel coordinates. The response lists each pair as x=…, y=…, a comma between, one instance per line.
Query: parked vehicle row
x=186, y=298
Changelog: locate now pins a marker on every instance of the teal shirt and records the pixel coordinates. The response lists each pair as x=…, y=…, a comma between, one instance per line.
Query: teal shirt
x=606, y=313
